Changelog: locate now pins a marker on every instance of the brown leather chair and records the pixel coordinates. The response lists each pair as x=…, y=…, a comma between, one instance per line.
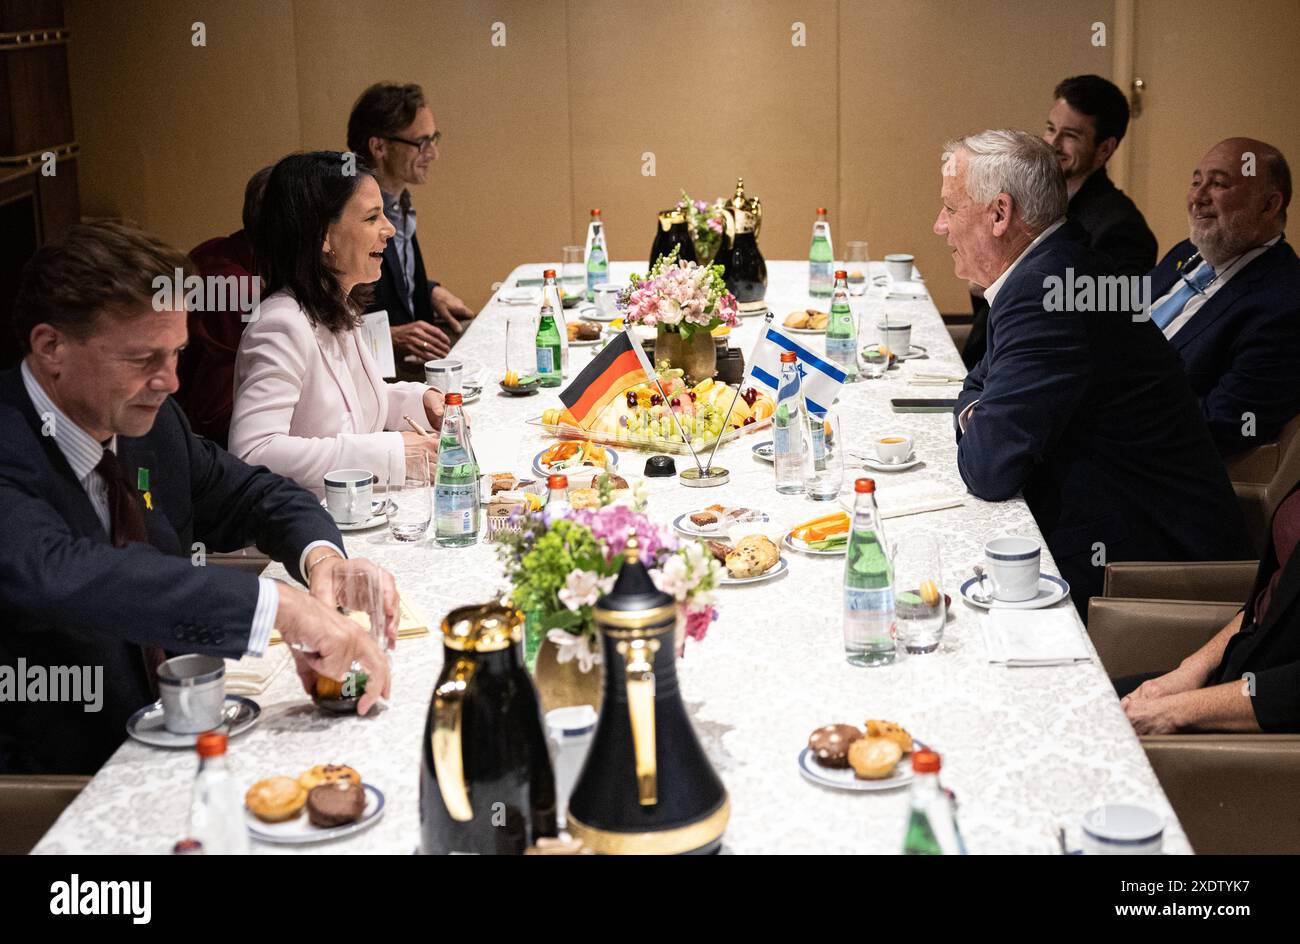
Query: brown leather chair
x=1233, y=793
x=29, y=805
x=1263, y=477
x=1208, y=581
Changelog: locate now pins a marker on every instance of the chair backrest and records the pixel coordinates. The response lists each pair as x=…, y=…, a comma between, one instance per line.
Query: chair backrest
x=1264, y=476
x=29, y=805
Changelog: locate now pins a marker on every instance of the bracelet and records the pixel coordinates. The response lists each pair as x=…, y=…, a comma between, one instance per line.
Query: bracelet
x=306, y=574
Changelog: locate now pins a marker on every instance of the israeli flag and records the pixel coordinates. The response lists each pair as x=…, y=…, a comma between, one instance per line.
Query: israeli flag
x=821, y=380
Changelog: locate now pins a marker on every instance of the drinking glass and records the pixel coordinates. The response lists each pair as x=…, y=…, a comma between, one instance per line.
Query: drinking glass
x=521, y=344
x=826, y=470
x=919, y=609
x=573, y=272
x=872, y=359
x=413, y=498
x=358, y=587
x=857, y=261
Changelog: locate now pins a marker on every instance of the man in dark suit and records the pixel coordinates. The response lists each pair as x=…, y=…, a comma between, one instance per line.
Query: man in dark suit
x=1087, y=122
x=1078, y=404
x=1247, y=678
x=110, y=505
x=393, y=133
x=1228, y=299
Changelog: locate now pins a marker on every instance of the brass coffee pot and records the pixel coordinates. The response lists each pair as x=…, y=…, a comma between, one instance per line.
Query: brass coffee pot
x=743, y=264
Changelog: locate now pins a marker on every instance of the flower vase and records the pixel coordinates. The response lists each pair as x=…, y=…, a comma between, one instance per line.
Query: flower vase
x=562, y=684
x=697, y=358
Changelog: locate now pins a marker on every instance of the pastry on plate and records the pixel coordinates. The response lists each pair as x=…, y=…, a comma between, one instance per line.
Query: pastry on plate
x=753, y=554
x=894, y=732
x=275, y=799
x=831, y=742
x=874, y=758
x=797, y=319
x=327, y=773
x=818, y=320
x=336, y=803
x=704, y=519
x=581, y=498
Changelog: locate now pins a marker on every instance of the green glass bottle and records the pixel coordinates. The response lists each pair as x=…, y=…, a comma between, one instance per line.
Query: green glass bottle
x=821, y=258
x=931, y=822
x=550, y=354
x=841, y=331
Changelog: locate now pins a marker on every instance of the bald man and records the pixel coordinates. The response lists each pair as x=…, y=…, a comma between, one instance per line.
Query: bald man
x=1228, y=298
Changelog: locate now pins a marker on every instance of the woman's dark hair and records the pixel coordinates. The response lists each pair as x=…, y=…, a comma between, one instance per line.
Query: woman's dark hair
x=304, y=195
x=382, y=110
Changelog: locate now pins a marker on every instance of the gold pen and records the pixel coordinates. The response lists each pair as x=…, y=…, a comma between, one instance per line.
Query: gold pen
x=415, y=426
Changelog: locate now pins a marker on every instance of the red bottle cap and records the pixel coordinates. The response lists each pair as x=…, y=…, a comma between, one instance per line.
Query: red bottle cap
x=788, y=357
x=596, y=212
x=454, y=399
x=821, y=211
x=925, y=762
x=557, y=481
x=211, y=744
x=187, y=847
x=548, y=274
x=864, y=486
x=841, y=274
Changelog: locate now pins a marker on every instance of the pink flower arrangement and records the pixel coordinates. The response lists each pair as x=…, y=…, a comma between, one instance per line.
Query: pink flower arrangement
x=680, y=296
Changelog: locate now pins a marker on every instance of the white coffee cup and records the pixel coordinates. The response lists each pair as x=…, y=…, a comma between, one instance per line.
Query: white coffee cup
x=606, y=296
x=896, y=447
x=899, y=266
x=193, y=692
x=1122, y=829
x=1013, y=565
x=349, y=495
x=895, y=335
x=443, y=374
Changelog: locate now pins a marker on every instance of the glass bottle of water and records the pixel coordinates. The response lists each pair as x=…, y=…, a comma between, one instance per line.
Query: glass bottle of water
x=821, y=258
x=557, y=498
x=550, y=354
x=931, y=818
x=791, y=437
x=551, y=296
x=842, y=331
x=455, y=489
x=868, y=584
x=597, y=254
x=217, y=804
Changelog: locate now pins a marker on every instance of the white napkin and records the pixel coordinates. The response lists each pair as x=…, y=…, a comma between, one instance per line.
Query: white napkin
x=908, y=289
x=519, y=296
x=911, y=498
x=252, y=675
x=1034, y=637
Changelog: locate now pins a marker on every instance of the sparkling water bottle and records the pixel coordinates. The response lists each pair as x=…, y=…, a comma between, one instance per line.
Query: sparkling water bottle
x=868, y=584
x=791, y=445
x=550, y=354
x=597, y=254
x=821, y=258
x=842, y=331
x=932, y=816
x=455, y=490
x=217, y=804
x=557, y=498
x=551, y=296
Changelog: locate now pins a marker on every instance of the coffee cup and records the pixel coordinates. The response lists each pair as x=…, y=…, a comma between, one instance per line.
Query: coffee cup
x=1122, y=829
x=193, y=692
x=1013, y=566
x=349, y=495
x=443, y=375
x=899, y=266
x=606, y=297
x=895, y=335
x=894, y=448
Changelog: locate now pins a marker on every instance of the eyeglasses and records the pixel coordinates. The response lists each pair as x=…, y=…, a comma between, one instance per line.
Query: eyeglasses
x=420, y=144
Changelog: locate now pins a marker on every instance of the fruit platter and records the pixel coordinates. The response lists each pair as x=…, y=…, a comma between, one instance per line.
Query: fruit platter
x=644, y=418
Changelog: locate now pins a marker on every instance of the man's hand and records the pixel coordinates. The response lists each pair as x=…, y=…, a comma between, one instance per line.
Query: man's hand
x=348, y=583
x=1155, y=715
x=450, y=308
x=1185, y=678
x=330, y=644
x=420, y=339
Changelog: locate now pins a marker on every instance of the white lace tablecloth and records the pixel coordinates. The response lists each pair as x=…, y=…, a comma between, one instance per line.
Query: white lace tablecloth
x=1025, y=750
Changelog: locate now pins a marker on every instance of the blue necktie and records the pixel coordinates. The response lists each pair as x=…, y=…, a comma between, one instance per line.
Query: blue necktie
x=1173, y=306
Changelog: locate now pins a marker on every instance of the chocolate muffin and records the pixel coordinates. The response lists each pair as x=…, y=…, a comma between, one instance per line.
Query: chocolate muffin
x=336, y=803
x=829, y=744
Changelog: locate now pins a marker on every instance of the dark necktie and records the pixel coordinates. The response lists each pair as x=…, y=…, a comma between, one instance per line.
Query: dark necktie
x=126, y=521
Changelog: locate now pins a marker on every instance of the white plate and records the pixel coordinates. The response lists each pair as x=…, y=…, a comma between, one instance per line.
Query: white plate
x=592, y=343
x=913, y=351
x=379, y=512
x=803, y=548
x=846, y=779
x=803, y=330
x=764, y=451
x=684, y=524
x=610, y=466
x=776, y=570
x=595, y=314
x=1050, y=590
x=878, y=466
x=470, y=393
x=299, y=830
x=146, y=725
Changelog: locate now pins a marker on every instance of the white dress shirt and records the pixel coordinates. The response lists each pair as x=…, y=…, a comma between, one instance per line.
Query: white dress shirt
x=1221, y=278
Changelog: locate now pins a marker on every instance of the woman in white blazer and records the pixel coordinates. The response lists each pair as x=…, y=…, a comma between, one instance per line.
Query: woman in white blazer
x=308, y=394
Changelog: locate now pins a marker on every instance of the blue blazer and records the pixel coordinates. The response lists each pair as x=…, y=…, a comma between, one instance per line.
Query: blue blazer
x=1090, y=415
x=1241, y=349
x=69, y=598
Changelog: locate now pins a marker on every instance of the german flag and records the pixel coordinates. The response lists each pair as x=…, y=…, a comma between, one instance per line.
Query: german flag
x=620, y=365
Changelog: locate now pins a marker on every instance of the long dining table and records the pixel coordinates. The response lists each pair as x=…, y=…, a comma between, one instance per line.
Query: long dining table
x=1027, y=751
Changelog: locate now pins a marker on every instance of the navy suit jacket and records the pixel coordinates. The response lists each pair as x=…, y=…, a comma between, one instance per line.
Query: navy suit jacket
x=1091, y=416
x=390, y=290
x=69, y=598
x=1241, y=349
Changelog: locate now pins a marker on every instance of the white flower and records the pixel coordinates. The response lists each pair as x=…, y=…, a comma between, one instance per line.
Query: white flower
x=583, y=588
x=674, y=578
x=572, y=647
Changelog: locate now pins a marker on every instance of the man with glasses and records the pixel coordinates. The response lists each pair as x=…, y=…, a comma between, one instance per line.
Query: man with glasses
x=392, y=132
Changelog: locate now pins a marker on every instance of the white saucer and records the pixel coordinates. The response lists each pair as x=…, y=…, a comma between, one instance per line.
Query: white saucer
x=1050, y=590
x=913, y=351
x=591, y=343
x=846, y=779
x=380, y=510
x=299, y=830
x=776, y=570
x=683, y=524
x=878, y=466
x=803, y=330
x=146, y=725
x=764, y=451
x=595, y=314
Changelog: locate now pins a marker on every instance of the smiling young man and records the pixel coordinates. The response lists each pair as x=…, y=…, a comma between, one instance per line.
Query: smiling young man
x=1228, y=298
x=110, y=506
x=393, y=133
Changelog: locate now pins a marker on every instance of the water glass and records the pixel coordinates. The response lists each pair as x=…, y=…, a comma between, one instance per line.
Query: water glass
x=521, y=344
x=358, y=587
x=413, y=497
x=573, y=272
x=919, y=609
x=857, y=260
x=826, y=471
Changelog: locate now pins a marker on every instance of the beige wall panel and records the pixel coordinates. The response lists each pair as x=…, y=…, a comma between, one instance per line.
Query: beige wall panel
x=1212, y=71
x=171, y=132
x=913, y=74
x=715, y=90
x=499, y=193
